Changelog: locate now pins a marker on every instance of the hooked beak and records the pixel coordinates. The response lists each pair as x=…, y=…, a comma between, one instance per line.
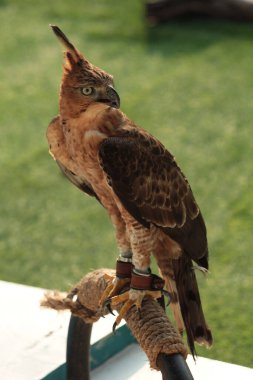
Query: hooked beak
x=110, y=97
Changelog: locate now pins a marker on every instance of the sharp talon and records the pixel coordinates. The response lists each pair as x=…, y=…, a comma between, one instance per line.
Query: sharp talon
x=106, y=303
x=114, y=328
x=108, y=306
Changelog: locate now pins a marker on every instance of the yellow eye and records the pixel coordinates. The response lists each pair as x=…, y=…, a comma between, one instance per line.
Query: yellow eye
x=87, y=90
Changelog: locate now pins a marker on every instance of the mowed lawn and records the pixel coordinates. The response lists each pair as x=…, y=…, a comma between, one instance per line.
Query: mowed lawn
x=190, y=84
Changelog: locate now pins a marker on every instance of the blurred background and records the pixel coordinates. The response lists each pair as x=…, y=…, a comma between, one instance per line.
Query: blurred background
x=188, y=82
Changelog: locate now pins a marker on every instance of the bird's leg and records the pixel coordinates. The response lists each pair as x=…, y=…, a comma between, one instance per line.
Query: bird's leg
x=121, y=281
x=143, y=284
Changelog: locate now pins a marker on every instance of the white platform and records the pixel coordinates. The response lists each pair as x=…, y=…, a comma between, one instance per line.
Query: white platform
x=131, y=364
x=33, y=343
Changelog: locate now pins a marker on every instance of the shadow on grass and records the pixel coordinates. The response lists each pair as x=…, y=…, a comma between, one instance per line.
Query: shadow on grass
x=189, y=36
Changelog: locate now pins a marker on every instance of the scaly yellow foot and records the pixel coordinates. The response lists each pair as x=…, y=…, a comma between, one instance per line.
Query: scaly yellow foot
x=133, y=297
x=142, y=285
x=113, y=289
x=116, y=284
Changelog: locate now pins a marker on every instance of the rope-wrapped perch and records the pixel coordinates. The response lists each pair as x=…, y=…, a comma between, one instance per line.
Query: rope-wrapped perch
x=151, y=327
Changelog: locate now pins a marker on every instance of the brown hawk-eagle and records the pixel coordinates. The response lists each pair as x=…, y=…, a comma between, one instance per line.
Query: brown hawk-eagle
x=149, y=200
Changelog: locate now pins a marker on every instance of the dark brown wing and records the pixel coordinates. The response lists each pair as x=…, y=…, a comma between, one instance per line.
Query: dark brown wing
x=77, y=181
x=150, y=185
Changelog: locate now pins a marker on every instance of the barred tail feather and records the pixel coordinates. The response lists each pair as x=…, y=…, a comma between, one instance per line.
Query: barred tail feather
x=170, y=286
x=190, y=304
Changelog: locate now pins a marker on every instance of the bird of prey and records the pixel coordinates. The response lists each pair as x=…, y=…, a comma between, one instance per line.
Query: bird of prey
x=148, y=198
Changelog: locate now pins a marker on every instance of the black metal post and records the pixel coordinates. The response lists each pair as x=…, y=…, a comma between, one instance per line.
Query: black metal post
x=173, y=367
x=78, y=349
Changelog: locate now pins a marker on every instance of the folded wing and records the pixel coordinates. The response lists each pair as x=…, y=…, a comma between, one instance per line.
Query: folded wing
x=152, y=188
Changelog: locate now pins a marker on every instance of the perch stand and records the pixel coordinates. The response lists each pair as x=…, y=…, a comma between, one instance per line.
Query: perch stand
x=152, y=329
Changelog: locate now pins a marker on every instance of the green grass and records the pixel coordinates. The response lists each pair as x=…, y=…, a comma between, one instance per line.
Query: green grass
x=190, y=84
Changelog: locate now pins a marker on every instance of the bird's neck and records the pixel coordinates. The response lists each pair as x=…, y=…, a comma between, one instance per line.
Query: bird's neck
x=69, y=104
x=67, y=110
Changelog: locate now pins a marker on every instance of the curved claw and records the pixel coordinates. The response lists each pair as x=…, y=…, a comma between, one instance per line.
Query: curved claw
x=106, y=302
x=108, y=306
x=114, y=327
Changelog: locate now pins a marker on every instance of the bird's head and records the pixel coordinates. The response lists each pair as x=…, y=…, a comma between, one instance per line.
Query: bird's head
x=82, y=82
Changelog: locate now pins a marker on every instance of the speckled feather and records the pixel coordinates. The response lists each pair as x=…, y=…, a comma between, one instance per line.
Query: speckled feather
x=151, y=186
